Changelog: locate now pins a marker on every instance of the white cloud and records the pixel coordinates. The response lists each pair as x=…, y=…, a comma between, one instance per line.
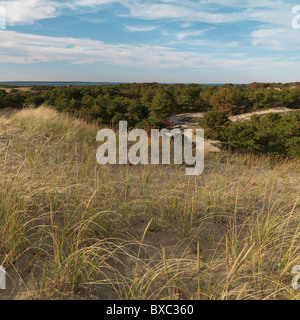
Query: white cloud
x=265, y=11
x=140, y=29
x=27, y=48
x=92, y=3
x=186, y=25
x=171, y=11
x=184, y=34
x=276, y=12
x=29, y=11
x=281, y=39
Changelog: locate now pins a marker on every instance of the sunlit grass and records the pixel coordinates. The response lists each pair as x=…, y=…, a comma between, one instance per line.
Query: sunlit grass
x=81, y=230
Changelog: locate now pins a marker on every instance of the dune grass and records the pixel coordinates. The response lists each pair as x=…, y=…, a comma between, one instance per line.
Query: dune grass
x=72, y=229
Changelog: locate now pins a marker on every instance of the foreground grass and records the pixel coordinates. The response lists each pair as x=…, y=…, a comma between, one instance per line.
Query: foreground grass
x=73, y=229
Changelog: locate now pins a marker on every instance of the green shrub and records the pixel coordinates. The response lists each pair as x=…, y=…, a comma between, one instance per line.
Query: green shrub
x=214, y=123
x=272, y=134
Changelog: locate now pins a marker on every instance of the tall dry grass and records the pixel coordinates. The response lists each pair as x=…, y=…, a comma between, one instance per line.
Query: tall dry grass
x=73, y=229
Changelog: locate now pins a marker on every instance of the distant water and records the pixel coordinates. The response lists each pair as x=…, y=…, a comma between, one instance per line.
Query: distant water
x=75, y=83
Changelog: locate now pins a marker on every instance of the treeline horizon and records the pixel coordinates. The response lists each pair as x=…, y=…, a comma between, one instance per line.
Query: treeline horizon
x=142, y=104
x=147, y=105
x=15, y=84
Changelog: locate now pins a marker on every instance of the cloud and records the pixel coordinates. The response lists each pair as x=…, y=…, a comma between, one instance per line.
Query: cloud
x=140, y=29
x=265, y=11
x=29, y=11
x=27, y=48
x=276, y=39
x=184, y=34
x=211, y=12
x=22, y=48
x=92, y=3
x=172, y=11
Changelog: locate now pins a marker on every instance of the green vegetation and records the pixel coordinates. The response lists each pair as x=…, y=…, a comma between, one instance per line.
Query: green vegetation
x=214, y=122
x=146, y=105
x=274, y=134
x=107, y=104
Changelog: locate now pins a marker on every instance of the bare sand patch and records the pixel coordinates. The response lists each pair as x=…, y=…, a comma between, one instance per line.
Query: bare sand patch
x=22, y=89
x=247, y=116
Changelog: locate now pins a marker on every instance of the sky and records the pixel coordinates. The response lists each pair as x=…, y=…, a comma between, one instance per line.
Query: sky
x=172, y=41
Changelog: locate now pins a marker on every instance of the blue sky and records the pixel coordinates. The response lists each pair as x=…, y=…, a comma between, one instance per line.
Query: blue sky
x=199, y=41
